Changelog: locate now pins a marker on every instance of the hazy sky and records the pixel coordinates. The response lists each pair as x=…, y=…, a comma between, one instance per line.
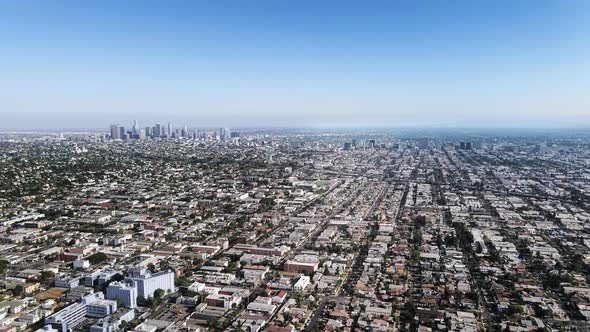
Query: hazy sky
x=86, y=64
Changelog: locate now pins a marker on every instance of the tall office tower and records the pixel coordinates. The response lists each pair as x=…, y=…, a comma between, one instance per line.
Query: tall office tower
x=135, y=128
x=115, y=132
x=148, y=131
x=222, y=133
x=185, y=132
x=142, y=134
x=354, y=142
x=122, y=133
x=467, y=145
x=169, y=133
x=462, y=145
x=158, y=130
x=371, y=144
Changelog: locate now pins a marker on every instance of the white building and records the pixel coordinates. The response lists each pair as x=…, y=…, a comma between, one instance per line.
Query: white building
x=126, y=293
x=69, y=317
x=81, y=264
x=197, y=287
x=147, y=283
x=101, y=308
x=261, y=308
x=301, y=284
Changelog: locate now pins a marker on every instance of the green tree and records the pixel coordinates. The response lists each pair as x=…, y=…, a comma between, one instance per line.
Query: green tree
x=97, y=258
x=182, y=282
x=18, y=290
x=47, y=277
x=213, y=324
x=141, y=301
x=3, y=266
x=159, y=293
x=515, y=310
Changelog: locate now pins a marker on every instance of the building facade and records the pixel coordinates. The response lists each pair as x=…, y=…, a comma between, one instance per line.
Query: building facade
x=147, y=283
x=125, y=292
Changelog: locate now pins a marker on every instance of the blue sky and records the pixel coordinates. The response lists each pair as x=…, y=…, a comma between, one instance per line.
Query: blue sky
x=85, y=64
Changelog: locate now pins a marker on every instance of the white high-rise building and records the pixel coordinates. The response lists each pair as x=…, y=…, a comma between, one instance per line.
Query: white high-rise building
x=126, y=293
x=147, y=283
x=135, y=128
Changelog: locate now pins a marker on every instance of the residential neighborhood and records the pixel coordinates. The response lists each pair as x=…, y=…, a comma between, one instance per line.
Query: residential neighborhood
x=294, y=231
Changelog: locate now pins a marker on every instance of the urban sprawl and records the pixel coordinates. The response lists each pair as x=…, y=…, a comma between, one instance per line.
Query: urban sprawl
x=177, y=229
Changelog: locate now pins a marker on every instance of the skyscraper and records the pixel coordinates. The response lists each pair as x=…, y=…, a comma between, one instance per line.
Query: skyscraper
x=122, y=133
x=115, y=134
x=135, y=128
x=169, y=133
x=158, y=130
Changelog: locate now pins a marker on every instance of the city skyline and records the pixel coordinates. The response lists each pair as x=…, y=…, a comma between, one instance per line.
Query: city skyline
x=295, y=165
x=303, y=64
x=167, y=130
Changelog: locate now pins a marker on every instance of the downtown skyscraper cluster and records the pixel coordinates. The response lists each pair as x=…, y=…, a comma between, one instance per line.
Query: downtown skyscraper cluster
x=118, y=132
